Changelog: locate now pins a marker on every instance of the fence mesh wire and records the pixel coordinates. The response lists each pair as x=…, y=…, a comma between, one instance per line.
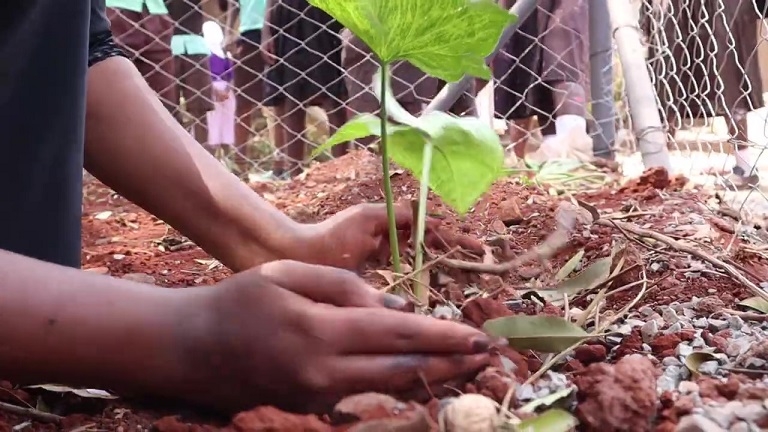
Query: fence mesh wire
x=704, y=58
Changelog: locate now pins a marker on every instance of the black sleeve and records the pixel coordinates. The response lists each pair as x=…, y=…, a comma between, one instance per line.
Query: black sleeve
x=101, y=45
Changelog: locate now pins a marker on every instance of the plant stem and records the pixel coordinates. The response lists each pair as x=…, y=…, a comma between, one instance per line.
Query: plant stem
x=394, y=247
x=420, y=290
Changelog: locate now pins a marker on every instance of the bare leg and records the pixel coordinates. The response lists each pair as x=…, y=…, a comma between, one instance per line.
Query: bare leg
x=243, y=131
x=337, y=116
x=519, y=132
x=289, y=138
x=745, y=173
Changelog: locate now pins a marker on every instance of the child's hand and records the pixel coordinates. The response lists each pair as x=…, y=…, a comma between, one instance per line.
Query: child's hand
x=220, y=95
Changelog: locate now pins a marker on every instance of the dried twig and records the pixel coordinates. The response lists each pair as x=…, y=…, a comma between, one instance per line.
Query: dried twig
x=749, y=316
x=411, y=275
x=31, y=413
x=674, y=244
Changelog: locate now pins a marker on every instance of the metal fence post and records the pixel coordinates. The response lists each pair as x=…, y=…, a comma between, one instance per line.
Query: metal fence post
x=652, y=139
x=451, y=92
x=601, y=79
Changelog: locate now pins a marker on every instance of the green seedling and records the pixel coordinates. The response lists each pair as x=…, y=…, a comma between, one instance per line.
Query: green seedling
x=457, y=158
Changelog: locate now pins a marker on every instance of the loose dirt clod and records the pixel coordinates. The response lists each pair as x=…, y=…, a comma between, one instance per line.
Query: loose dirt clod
x=469, y=413
x=620, y=397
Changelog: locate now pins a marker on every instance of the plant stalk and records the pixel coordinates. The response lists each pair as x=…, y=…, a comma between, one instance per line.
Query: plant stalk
x=420, y=290
x=388, y=196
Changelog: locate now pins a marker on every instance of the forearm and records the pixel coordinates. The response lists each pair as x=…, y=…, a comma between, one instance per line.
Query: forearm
x=67, y=326
x=137, y=148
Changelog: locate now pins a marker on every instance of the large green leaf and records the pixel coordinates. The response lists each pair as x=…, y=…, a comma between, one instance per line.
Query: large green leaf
x=539, y=333
x=444, y=38
x=467, y=157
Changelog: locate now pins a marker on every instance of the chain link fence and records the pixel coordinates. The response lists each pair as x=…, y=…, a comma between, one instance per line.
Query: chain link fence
x=559, y=89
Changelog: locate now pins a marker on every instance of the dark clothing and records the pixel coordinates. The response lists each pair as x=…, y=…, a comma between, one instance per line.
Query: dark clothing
x=187, y=14
x=308, y=47
x=249, y=69
x=551, y=45
x=412, y=87
x=44, y=47
x=707, y=65
x=146, y=38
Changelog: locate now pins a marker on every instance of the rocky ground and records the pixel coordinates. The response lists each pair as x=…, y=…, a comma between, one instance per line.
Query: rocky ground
x=659, y=280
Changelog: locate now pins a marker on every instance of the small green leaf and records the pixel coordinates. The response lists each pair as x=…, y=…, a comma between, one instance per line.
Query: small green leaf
x=547, y=401
x=467, y=158
x=554, y=420
x=444, y=38
x=695, y=359
x=568, y=267
x=361, y=126
x=588, y=278
x=758, y=304
x=539, y=333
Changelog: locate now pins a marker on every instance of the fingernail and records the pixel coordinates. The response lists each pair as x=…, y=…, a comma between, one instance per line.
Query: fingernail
x=392, y=301
x=481, y=344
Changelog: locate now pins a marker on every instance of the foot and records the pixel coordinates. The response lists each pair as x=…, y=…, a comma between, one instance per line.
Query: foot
x=741, y=179
x=575, y=146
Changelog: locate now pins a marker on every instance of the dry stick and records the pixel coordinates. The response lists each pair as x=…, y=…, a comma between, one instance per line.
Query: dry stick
x=31, y=413
x=411, y=275
x=553, y=243
x=749, y=316
x=661, y=238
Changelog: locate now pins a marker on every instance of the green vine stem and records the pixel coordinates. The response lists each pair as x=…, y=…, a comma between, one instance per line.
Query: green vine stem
x=420, y=290
x=393, y=245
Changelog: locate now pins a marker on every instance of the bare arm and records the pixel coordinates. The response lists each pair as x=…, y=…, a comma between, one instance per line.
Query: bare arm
x=137, y=148
x=63, y=325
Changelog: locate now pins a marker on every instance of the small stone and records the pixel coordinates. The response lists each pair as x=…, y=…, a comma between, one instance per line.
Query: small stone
x=649, y=330
x=683, y=350
x=525, y=392
x=688, y=313
x=740, y=427
x=735, y=322
x=755, y=363
x=646, y=311
x=666, y=383
x=670, y=316
x=672, y=371
x=686, y=387
x=670, y=361
x=98, y=270
x=698, y=342
x=674, y=328
x=722, y=415
x=715, y=325
x=709, y=367
x=711, y=291
x=701, y=323
x=140, y=278
x=697, y=423
x=646, y=348
x=737, y=347
x=750, y=412
x=634, y=322
x=747, y=330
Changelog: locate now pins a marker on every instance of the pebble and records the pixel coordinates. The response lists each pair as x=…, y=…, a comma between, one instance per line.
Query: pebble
x=666, y=383
x=649, y=330
x=709, y=367
x=646, y=311
x=688, y=313
x=686, y=387
x=674, y=328
x=737, y=347
x=683, y=350
x=525, y=392
x=715, y=325
x=646, y=348
x=670, y=316
x=755, y=363
x=701, y=323
x=697, y=423
x=750, y=412
x=670, y=361
x=735, y=322
x=722, y=415
x=698, y=342
x=740, y=427
x=672, y=371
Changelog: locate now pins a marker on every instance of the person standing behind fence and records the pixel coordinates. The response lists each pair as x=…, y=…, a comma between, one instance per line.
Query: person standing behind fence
x=190, y=54
x=541, y=72
x=221, y=120
x=144, y=30
x=302, y=46
x=703, y=56
x=249, y=71
x=412, y=87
